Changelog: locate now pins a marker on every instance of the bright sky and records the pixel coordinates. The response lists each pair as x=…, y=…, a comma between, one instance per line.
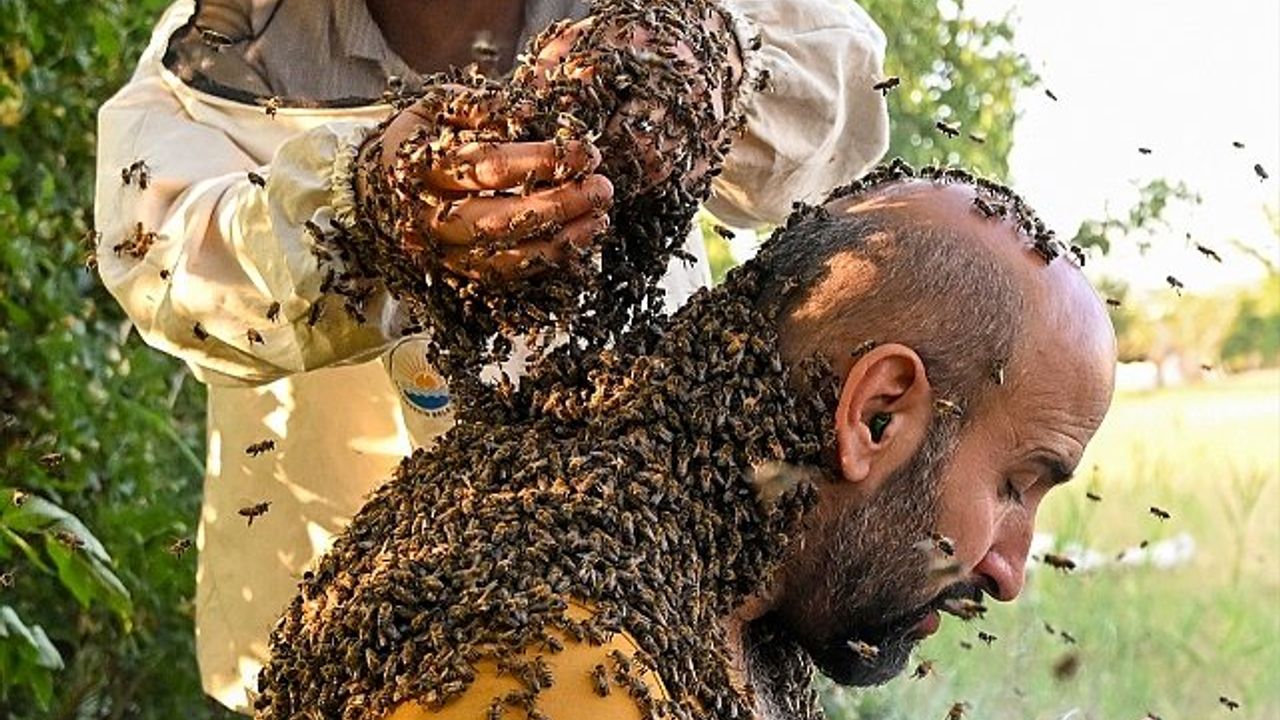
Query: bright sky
x=1182, y=77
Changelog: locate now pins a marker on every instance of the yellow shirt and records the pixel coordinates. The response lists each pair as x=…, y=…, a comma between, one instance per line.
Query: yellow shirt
x=572, y=694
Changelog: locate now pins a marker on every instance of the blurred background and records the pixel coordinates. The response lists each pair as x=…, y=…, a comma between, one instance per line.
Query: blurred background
x=1141, y=131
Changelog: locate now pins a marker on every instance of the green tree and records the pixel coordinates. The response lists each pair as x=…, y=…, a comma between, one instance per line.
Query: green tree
x=101, y=435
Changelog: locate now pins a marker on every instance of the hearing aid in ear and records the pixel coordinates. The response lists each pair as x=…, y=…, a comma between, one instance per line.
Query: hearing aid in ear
x=878, y=423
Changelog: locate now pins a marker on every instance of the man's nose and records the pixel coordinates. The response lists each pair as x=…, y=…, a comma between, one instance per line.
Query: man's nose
x=1005, y=562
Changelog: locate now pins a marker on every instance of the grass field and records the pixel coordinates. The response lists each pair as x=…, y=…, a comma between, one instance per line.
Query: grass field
x=1164, y=641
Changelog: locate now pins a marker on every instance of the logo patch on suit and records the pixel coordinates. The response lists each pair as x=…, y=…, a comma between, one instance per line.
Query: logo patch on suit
x=420, y=385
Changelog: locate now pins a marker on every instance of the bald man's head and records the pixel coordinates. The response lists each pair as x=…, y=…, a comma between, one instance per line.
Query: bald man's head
x=974, y=363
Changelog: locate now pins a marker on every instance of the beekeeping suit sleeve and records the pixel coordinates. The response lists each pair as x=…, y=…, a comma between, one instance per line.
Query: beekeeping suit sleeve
x=813, y=121
x=226, y=252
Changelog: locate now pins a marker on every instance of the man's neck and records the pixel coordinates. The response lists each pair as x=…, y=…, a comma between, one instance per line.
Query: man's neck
x=434, y=35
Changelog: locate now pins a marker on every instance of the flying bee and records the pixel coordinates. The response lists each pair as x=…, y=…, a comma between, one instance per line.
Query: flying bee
x=1112, y=302
x=273, y=312
x=256, y=179
x=866, y=651
x=965, y=608
x=1260, y=171
x=1228, y=703
x=1049, y=628
x=1237, y=144
x=1050, y=95
x=889, y=83
x=52, y=461
x=179, y=547
x=254, y=511
x=966, y=645
x=1093, y=496
x=259, y=448
x=1144, y=150
x=90, y=240
x=950, y=130
x=724, y=232
x=1207, y=252
x=957, y=711
x=980, y=139
x=199, y=331
x=1175, y=284
x=1059, y=562
x=987, y=637
x=1159, y=513
x=1066, y=667
x=69, y=539
x=253, y=336
x=1067, y=637
x=923, y=669
x=1207, y=367
x=600, y=680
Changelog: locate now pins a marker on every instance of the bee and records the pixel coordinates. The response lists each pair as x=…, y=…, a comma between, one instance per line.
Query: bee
x=19, y=498
x=136, y=245
x=957, y=711
x=889, y=83
x=1175, y=284
x=600, y=680
x=313, y=315
x=724, y=232
x=179, y=547
x=214, y=39
x=1260, y=171
x=90, y=240
x=495, y=711
x=1050, y=95
x=1207, y=367
x=964, y=608
x=1228, y=703
x=1237, y=144
x=863, y=348
x=270, y=106
x=947, y=129
x=866, y=651
x=984, y=207
x=1112, y=302
x=199, y=331
x=137, y=170
x=52, y=461
x=6, y=580
x=1207, y=252
x=1093, y=496
x=1067, y=637
x=1144, y=150
x=253, y=336
x=1059, y=562
x=987, y=637
x=1066, y=667
x=997, y=372
x=273, y=312
x=254, y=511
x=1151, y=716
x=259, y=448
x=945, y=544
x=947, y=409
x=1078, y=253
x=69, y=539
x=1049, y=628
x=256, y=179
x=923, y=669
x=1159, y=513
x=165, y=274
x=980, y=139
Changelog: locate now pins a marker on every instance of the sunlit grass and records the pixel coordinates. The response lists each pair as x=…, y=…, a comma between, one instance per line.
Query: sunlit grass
x=1168, y=642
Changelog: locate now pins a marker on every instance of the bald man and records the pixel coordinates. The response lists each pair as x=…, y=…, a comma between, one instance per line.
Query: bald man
x=726, y=514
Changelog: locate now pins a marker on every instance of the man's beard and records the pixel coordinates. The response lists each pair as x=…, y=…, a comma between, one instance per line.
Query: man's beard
x=853, y=601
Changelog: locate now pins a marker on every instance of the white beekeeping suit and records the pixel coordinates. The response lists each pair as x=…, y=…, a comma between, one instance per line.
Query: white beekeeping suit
x=290, y=99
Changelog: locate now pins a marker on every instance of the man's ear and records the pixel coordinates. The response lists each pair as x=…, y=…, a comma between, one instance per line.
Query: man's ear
x=884, y=410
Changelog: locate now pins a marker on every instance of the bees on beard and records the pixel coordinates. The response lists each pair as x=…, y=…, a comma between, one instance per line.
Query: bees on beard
x=947, y=409
x=866, y=651
x=252, y=512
